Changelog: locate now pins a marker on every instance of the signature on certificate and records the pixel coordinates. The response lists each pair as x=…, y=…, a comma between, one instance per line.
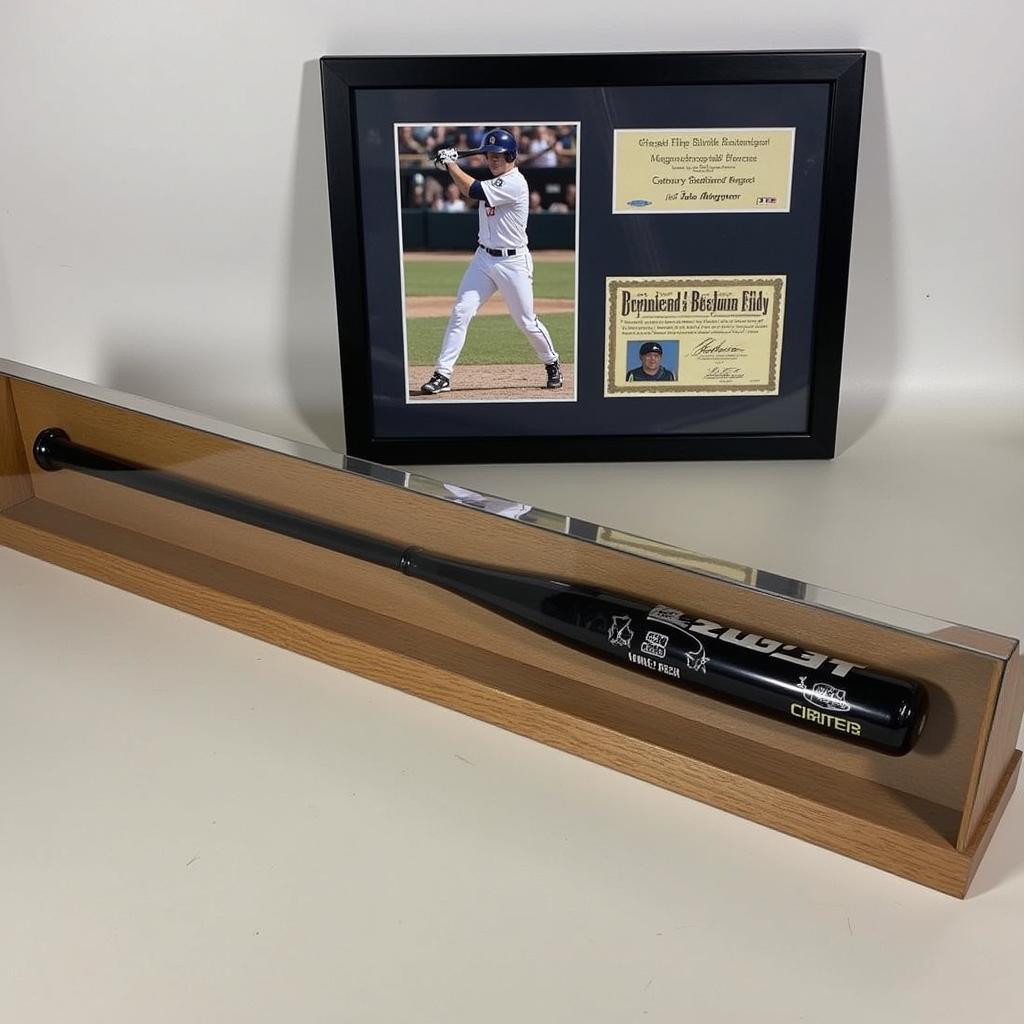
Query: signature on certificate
x=716, y=347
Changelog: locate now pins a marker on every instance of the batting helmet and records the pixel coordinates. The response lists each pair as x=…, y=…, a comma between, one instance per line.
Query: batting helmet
x=497, y=140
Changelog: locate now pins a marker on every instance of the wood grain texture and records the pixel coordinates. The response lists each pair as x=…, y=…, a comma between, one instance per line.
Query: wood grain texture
x=925, y=816
x=960, y=682
x=15, y=482
x=998, y=751
x=855, y=817
x=986, y=827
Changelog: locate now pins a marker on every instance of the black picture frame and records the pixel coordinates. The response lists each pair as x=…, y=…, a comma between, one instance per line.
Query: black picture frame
x=344, y=79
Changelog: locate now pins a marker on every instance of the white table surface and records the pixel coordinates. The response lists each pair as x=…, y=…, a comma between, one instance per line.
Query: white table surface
x=197, y=826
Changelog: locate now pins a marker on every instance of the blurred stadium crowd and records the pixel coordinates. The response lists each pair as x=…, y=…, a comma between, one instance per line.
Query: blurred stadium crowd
x=547, y=158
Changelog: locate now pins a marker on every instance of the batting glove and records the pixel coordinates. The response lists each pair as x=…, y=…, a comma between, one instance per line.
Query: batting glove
x=445, y=157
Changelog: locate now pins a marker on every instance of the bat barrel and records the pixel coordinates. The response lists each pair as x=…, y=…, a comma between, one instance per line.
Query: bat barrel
x=826, y=695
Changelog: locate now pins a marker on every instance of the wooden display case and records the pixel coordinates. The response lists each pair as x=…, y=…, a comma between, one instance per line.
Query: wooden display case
x=927, y=816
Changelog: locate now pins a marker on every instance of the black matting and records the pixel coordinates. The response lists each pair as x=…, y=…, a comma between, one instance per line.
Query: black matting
x=817, y=93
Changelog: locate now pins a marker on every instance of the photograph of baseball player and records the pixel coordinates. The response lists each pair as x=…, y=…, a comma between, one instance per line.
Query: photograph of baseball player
x=488, y=239
x=652, y=361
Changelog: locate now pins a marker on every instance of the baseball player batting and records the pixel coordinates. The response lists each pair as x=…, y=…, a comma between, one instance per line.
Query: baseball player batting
x=502, y=261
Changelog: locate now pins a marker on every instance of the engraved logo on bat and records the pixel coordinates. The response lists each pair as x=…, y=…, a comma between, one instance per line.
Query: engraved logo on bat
x=654, y=644
x=750, y=641
x=620, y=634
x=696, y=657
x=670, y=616
x=823, y=695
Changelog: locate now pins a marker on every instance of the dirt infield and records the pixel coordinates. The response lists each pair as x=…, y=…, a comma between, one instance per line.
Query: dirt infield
x=440, y=305
x=496, y=383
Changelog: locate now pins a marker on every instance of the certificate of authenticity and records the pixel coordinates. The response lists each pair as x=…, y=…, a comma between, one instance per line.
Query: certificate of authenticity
x=694, y=335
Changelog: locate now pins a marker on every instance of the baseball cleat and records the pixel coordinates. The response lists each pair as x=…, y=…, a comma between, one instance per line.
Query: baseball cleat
x=439, y=382
x=554, y=374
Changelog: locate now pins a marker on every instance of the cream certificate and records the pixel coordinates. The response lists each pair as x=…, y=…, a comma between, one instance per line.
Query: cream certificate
x=694, y=335
x=706, y=170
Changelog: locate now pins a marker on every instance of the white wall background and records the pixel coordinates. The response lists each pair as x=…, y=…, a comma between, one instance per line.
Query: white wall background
x=163, y=226
x=202, y=842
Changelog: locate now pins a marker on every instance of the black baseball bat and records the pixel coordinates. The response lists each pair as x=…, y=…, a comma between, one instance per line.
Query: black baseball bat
x=828, y=695
x=460, y=154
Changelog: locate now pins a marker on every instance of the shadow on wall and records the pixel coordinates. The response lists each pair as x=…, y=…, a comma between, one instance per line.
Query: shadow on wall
x=307, y=329
x=873, y=315
x=8, y=338
x=205, y=374
x=208, y=379
x=309, y=325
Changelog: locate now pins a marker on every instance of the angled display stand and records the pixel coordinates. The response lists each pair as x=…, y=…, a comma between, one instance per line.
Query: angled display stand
x=927, y=816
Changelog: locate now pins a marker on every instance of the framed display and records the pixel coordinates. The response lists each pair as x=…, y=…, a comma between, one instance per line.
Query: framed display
x=592, y=257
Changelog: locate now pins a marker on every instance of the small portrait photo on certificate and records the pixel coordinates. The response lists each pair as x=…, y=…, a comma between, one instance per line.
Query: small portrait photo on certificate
x=652, y=362
x=488, y=257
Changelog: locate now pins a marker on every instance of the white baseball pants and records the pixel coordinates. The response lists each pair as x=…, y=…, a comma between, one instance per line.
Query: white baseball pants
x=486, y=274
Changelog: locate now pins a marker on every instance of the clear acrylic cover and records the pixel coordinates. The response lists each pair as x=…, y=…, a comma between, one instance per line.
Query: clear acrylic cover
x=967, y=638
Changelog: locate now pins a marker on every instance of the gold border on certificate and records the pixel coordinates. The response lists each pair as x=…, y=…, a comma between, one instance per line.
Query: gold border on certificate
x=702, y=170
x=713, y=336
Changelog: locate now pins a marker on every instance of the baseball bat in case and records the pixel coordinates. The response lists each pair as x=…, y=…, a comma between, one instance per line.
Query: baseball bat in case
x=755, y=694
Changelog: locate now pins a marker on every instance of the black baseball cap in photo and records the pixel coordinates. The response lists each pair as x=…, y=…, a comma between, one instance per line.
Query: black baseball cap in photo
x=650, y=346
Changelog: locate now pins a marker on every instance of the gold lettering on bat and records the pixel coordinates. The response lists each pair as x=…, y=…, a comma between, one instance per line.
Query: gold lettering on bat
x=824, y=719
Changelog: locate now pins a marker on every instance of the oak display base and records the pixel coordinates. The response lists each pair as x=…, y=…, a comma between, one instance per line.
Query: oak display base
x=927, y=816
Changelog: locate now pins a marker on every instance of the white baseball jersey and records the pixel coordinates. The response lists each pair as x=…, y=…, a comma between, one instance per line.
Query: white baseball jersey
x=503, y=222
x=502, y=226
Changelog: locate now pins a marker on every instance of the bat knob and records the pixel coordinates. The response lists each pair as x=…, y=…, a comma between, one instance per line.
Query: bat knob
x=42, y=449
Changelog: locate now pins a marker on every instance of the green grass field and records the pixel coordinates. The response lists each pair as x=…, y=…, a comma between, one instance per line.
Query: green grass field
x=424, y=277
x=492, y=339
